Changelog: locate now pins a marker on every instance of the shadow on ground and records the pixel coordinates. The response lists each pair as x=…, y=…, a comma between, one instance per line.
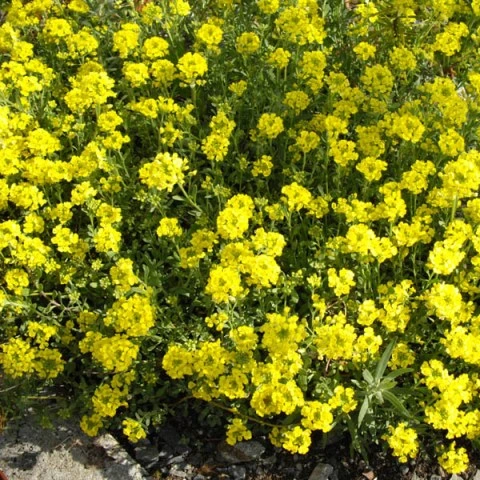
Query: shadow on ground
x=29, y=452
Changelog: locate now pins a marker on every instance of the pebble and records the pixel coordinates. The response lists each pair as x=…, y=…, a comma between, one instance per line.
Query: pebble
x=238, y=472
x=322, y=471
x=435, y=477
x=455, y=477
x=177, y=459
x=404, y=469
x=240, y=452
x=477, y=475
x=182, y=471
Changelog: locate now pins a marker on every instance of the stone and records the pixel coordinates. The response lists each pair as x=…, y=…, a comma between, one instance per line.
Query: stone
x=146, y=454
x=322, y=471
x=178, y=472
x=477, y=475
x=455, y=477
x=177, y=459
x=404, y=469
x=435, y=477
x=238, y=472
x=29, y=452
x=240, y=452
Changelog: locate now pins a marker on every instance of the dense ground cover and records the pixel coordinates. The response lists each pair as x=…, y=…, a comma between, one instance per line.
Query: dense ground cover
x=270, y=206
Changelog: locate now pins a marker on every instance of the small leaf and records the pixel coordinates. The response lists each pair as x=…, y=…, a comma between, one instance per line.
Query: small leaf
x=368, y=377
x=363, y=411
x=382, y=364
x=397, y=373
x=396, y=403
x=387, y=384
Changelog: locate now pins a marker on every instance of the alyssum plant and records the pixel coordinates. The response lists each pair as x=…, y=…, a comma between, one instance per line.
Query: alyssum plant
x=271, y=206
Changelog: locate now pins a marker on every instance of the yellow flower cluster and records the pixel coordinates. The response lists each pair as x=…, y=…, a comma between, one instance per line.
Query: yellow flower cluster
x=403, y=441
x=215, y=146
x=166, y=171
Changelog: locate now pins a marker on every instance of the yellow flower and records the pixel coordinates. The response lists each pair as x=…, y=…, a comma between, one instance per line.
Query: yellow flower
x=155, y=47
x=224, y=283
x=268, y=6
x=126, y=39
x=297, y=440
x=403, y=441
x=238, y=88
x=270, y=125
x=342, y=282
x=296, y=196
x=454, y=460
x=247, y=43
x=135, y=73
x=16, y=280
x=365, y=50
x=279, y=58
x=91, y=424
x=192, y=66
x=238, y=431
x=164, y=172
x=133, y=430
x=317, y=416
x=210, y=35
x=17, y=357
x=296, y=100
x=169, y=227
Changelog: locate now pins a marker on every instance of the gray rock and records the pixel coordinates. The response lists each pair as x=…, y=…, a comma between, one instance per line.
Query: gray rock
x=199, y=477
x=178, y=459
x=269, y=460
x=29, y=452
x=238, y=472
x=146, y=454
x=240, y=452
x=435, y=477
x=322, y=471
x=178, y=472
x=455, y=477
x=404, y=469
x=477, y=475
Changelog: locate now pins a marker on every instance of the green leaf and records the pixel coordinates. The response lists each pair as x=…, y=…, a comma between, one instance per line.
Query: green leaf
x=363, y=410
x=387, y=384
x=397, y=373
x=382, y=364
x=396, y=403
x=368, y=377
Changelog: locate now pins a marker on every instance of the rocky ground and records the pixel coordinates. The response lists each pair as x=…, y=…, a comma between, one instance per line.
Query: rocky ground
x=181, y=449
x=184, y=447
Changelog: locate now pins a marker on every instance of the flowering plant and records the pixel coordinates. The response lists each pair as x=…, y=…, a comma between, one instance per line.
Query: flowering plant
x=253, y=203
